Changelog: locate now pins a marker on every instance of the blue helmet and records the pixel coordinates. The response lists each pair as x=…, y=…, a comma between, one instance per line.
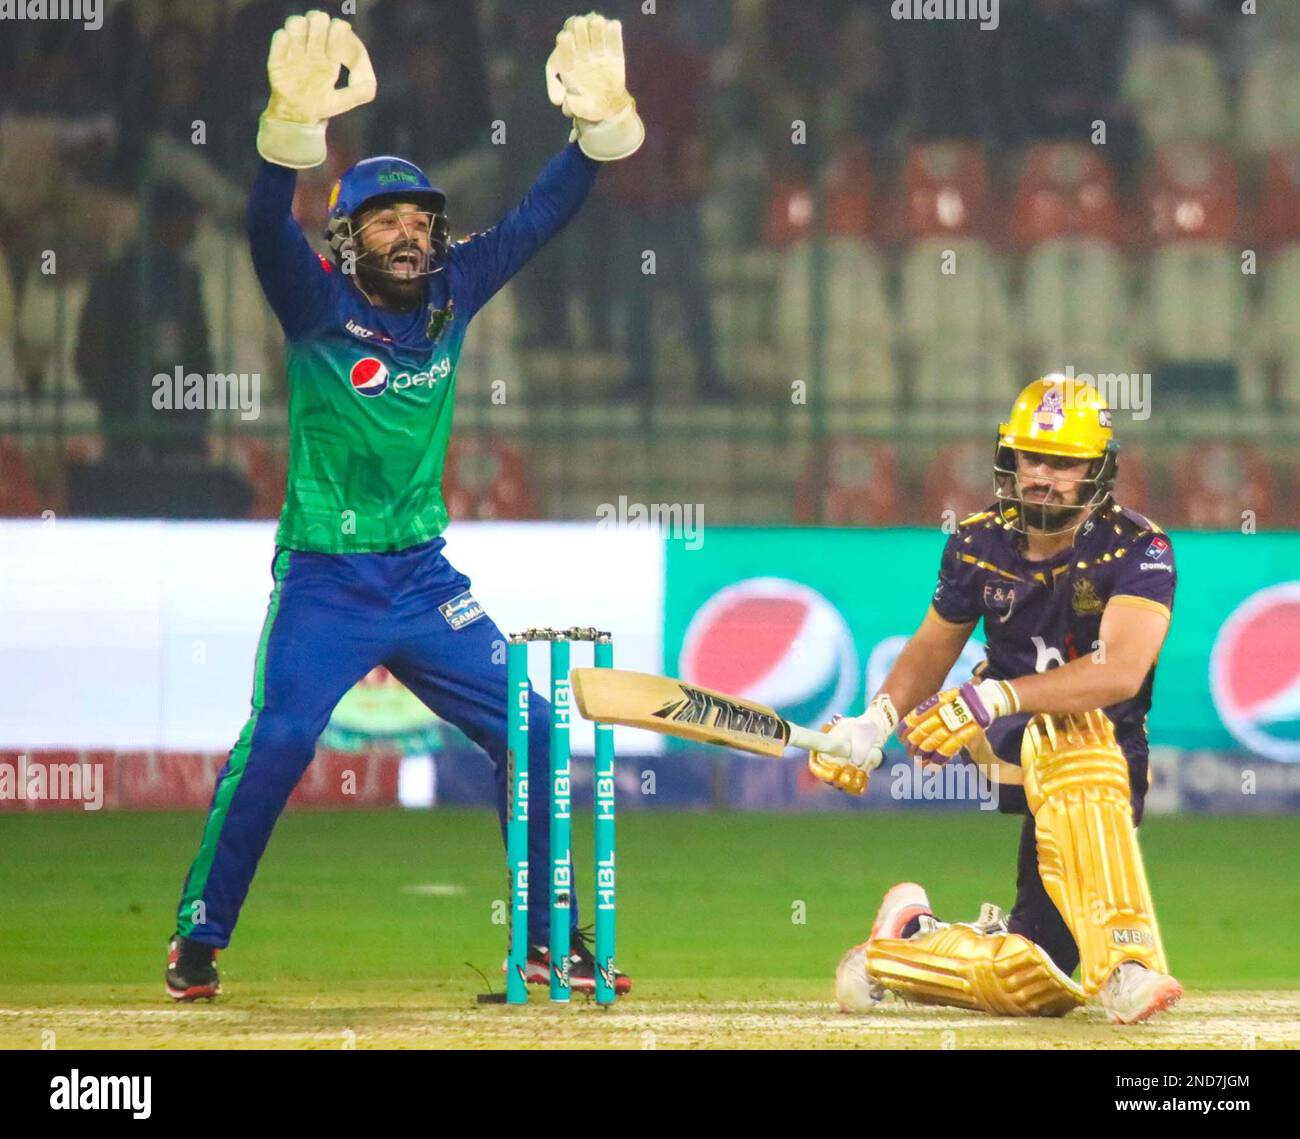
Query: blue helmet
x=373, y=181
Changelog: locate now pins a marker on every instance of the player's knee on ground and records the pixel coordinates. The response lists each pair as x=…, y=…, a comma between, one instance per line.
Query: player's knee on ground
x=956, y=965
x=1077, y=785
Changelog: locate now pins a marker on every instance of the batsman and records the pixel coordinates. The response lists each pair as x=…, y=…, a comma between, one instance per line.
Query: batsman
x=374, y=333
x=1075, y=593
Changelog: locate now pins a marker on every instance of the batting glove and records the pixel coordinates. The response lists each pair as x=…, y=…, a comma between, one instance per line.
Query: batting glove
x=586, y=78
x=937, y=729
x=303, y=67
x=866, y=736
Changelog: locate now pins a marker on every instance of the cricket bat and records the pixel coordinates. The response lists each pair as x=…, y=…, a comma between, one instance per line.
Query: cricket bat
x=675, y=708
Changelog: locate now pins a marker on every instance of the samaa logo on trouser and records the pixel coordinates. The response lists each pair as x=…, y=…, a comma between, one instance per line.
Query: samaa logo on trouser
x=775, y=641
x=1255, y=672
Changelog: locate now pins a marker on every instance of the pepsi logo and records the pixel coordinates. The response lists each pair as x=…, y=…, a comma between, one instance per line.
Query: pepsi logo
x=1255, y=672
x=369, y=377
x=775, y=641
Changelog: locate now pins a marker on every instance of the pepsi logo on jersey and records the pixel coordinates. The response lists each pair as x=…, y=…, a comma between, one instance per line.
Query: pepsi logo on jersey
x=371, y=377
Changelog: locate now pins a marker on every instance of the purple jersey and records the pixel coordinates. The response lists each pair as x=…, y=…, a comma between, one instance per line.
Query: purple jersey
x=1041, y=614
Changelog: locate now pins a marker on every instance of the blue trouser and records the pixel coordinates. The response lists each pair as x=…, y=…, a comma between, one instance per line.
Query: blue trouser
x=332, y=618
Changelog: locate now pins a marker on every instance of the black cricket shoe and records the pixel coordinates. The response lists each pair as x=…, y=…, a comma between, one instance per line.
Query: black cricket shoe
x=582, y=966
x=191, y=970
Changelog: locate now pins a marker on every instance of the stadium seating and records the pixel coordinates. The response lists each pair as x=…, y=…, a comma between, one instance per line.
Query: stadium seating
x=861, y=486
x=859, y=326
x=1177, y=92
x=1277, y=220
x=1215, y=484
x=486, y=479
x=946, y=191
x=1076, y=308
x=19, y=497
x=1065, y=190
x=1192, y=194
x=1196, y=304
x=1269, y=110
x=958, y=482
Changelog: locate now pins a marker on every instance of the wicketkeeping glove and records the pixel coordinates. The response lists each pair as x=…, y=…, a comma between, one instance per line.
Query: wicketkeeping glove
x=586, y=79
x=937, y=729
x=303, y=66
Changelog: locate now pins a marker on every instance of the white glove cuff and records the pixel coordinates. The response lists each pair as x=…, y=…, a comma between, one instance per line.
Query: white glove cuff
x=298, y=146
x=885, y=706
x=619, y=136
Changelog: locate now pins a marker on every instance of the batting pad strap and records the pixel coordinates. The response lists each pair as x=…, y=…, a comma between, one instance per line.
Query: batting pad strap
x=1077, y=786
x=956, y=965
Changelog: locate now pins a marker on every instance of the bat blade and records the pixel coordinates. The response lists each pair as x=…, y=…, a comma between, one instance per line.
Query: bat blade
x=675, y=708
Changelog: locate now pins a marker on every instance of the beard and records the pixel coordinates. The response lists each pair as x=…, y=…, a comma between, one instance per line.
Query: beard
x=1045, y=516
x=405, y=294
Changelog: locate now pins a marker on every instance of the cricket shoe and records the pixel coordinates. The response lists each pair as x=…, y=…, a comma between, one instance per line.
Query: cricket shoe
x=1132, y=993
x=191, y=970
x=855, y=990
x=901, y=904
x=582, y=966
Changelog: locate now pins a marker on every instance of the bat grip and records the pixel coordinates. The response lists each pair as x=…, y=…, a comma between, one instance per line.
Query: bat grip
x=809, y=740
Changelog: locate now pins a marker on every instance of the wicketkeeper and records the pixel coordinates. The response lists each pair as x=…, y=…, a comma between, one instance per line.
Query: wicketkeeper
x=1075, y=593
x=374, y=335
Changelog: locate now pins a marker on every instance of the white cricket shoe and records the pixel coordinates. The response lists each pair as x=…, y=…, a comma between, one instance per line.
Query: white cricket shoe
x=900, y=905
x=1132, y=993
x=855, y=991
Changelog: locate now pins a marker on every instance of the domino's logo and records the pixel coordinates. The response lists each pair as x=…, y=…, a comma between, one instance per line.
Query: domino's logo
x=1157, y=549
x=369, y=377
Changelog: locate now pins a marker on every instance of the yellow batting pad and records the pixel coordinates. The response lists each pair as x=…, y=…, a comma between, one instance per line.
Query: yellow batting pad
x=1077, y=785
x=956, y=965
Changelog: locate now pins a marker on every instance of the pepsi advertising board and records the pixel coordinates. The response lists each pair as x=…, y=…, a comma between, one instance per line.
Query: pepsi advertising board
x=809, y=620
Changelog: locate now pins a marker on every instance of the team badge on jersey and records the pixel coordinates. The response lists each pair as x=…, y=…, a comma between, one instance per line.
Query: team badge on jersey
x=461, y=610
x=1086, y=602
x=999, y=599
x=369, y=377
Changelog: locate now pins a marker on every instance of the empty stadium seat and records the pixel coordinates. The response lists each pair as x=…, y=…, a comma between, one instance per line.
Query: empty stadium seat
x=1191, y=194
x=1177, y=92
x=850, y=203
x=861, y=486
x=946, y=189
x=486, y=479
x=264, y=467
x=1269, y=108
x=1277, y=221
x=48, y=319
x=859, y=326
x=1076, y=308
x=1064, y=190
x=958, y=482
x=965, y=306
x=1197, y=303
x=1214, y=483
x=244, y=336
x=19, y=497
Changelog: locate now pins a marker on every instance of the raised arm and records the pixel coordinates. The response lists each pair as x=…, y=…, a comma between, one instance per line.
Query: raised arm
x=306, y=57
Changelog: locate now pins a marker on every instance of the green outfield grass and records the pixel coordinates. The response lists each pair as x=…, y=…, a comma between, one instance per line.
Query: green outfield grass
x=375, y=922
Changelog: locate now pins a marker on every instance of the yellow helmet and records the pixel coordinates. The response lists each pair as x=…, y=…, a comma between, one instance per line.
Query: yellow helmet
x=1056, y=415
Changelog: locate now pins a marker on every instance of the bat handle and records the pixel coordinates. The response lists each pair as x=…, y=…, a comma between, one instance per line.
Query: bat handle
x=809, y=740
